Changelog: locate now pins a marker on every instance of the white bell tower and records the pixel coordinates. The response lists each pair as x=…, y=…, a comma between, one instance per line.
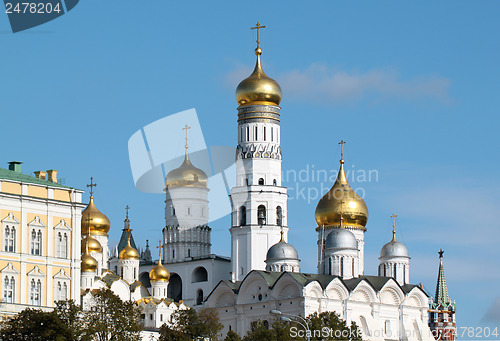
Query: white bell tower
x=259, y=202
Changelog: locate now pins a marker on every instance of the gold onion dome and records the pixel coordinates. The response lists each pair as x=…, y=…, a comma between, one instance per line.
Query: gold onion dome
x=186, y=175
x=93, y=218
x=92, y=244
x=128, y=252
x=258, y=88
x=341, y=198
x=89, y=264
x=159, y=273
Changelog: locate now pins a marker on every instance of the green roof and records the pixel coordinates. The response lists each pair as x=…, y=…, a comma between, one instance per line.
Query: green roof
x=7, y=174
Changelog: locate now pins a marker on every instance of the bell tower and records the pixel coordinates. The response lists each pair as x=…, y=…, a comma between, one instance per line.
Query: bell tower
x=259, y=202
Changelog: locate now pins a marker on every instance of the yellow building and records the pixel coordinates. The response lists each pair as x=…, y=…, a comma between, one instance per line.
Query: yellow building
x=39, y=240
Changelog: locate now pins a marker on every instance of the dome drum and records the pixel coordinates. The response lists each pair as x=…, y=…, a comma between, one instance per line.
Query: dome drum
x=258, y=113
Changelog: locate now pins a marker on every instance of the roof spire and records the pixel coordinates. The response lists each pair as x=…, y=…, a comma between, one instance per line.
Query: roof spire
x=393, y=216
x=441, y=298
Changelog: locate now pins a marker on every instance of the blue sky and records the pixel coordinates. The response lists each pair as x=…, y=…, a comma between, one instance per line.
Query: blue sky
x=412, y=87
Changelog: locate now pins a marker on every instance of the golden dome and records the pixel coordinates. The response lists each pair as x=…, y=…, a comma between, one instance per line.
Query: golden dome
x=89, y=264
x=128, y=252
x=353, y=208
x=99, y=223
x=258, y=88
x=92, y=243
x=186, y=175
x=159, y=273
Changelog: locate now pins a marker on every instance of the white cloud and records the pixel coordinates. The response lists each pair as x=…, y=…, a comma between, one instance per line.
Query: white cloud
x=320, y=82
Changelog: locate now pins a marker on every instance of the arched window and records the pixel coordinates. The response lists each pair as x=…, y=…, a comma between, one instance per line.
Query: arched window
x=199, y=297
x=59, y=291
x=9, y=239
x=256, y=133
x=279, y=216
x=341, y=266
x=329, y=266
x=172, y=210
x=261, y=215
x=200, y=274
x=64, y=295
x=35, y=292
x=275, y=183
x=395, y=269
x=64, y=249
x=264, y=133
x=246, y=181
x=243, y=216
x=36, y=242
x=8, y=289
x=248, y=133
x=261, y=181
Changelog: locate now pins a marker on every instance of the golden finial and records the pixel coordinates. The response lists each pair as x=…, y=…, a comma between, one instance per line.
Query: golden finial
x=258, y=27
x=342, y=142
x=126, y=209
x=281, y=232
x=393, y=216
x=159, y=247
x=92, y=185
x=186, y=128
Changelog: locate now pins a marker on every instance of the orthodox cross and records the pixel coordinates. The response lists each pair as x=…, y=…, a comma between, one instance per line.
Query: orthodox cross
x=186, y=128
x=342, y=142
x=126, y=209
x=92, y=185
x=159, y=248
x=257, y=27
x=441, y=253
x=393, y=216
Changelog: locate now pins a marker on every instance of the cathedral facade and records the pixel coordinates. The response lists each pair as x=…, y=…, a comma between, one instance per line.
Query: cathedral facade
x=52, y=250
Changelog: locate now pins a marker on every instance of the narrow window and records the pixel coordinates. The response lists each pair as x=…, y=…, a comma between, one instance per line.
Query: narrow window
x=199, y=297
x=243, y=216
x=341, y=266
x=256, y=133
x=8, y=291
x=189, y=252
x=64, y=249
x=271, y=133
x=279, y=216
x=246, y=180
x=261, y=181
x=173, y=253
x=275, y=183
x=64, y=292
x=261, y=215
x=329, y=266
x=264, y=133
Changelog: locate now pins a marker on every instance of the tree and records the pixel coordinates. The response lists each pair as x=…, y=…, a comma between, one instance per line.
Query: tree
x=188, y=324
x=331, y=327
x=72, y=316
x=35, y=324
x=112, y=319
x=259, y=331
x=232, y=336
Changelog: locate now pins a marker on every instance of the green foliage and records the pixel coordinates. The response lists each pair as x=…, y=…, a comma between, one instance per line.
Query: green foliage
x=35, y=324
x=232, y=336
x=336, y=327
x=324, y=326
x=112, y=319
x=190, y=324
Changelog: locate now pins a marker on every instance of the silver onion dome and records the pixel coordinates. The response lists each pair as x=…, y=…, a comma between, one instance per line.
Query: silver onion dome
x=281, y=250
x=341, y=238
x=394, y=249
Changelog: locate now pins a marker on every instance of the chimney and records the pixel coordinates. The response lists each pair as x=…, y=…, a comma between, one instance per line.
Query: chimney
x=15, y=166
x=52, y=173
x=40, y=174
